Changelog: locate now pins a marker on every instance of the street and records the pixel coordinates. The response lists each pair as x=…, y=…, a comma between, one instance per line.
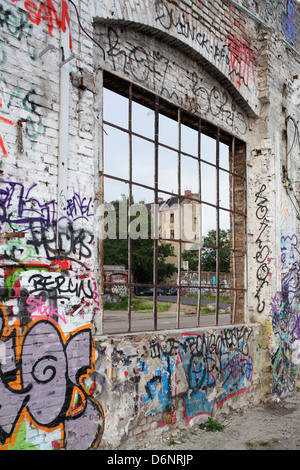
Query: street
x=117, y=321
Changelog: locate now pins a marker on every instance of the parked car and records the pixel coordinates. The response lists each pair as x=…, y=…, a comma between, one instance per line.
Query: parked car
x=172, y=291
x=150, y=292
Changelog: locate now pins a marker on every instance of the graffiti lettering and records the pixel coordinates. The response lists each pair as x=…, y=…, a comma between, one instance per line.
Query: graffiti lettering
x=46, y=12
x=23, y=211
x=262, y=255
x=207, y=360
x=18, y=207
x=144, y=65
x=61, y=285
x=219, y=104
x=39, y=309
x=240, y=60
x=16, y=23
x=79, y=207
x=64, y=244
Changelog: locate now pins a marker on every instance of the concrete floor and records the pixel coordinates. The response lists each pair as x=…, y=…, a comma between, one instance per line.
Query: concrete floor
x=275, y=426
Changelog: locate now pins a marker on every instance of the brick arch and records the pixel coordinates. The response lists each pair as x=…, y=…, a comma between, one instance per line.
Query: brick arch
x=143, y=57
x=229, y=59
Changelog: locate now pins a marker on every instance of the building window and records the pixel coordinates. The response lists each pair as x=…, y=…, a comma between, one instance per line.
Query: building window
x=152, y=152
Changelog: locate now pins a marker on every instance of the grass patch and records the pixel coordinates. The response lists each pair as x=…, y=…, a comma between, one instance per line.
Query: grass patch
x=250, y=445
x=212, y=425
x=225, y=299
x=137, y=305
x=253, y=446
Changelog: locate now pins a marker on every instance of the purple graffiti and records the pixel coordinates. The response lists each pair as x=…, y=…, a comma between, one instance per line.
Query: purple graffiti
x=286, y=330
x=289, y=23
x=289, y=249
x=49, y=368
x=78, y=207
x=19, y=206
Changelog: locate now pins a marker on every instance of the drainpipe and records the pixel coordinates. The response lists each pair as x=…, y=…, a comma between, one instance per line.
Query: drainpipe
x=64, y=116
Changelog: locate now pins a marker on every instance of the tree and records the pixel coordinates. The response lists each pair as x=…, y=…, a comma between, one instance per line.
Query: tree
x=192, y=256
x=142, y=250
x=208, y=254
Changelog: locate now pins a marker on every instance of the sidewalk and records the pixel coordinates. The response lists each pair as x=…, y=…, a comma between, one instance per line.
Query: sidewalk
x=275, y=426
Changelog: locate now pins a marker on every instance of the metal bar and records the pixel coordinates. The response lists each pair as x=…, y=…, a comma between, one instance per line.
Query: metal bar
x=190, y=286
x=130, y=203
x=200, y=224
x=116, y=178
x=50, y=47
x=115, y=126
x=64, y=62
x=233, y=316
x=179, y=219
x=290, y=46
x=155, y=254
x=245, y=10
x=218, y=228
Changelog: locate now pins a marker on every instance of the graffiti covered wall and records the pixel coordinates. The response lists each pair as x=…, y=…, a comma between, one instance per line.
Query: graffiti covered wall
x=63, y=384
x=152, y=382
x=47, y=347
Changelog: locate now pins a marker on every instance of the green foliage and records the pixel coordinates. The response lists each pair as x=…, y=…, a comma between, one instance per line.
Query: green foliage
x=137, y=305
x=192, y=256
x=212, y=425
x=208, y=255
x=142, y=250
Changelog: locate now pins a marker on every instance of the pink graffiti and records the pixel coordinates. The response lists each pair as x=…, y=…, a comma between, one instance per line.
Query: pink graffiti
x=42, y=310
x=242, y=60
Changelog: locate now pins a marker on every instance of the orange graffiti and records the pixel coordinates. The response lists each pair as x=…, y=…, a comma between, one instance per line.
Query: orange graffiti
x=80, y=392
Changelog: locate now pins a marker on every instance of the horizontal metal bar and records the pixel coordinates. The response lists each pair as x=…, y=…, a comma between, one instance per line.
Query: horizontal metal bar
x=249, y=13
x=290, y=46
x=72, y=56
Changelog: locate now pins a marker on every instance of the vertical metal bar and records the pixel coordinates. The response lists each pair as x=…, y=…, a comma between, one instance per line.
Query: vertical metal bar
x=101, y=229
x=129, y=214
x=245, y=192
x=64, y=117
x=200, y=224
x=99, y=225
x=233, y=206
x=155, y=254
x=179, y=220
x=218, y=228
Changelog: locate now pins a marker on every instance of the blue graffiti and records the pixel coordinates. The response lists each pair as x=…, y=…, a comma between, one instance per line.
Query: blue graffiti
x=208, y=362
x=215, y=360
x=289, y=23
x=289, y=250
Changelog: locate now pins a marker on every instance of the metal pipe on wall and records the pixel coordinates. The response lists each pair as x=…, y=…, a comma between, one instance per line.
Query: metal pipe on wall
x=64, y=116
